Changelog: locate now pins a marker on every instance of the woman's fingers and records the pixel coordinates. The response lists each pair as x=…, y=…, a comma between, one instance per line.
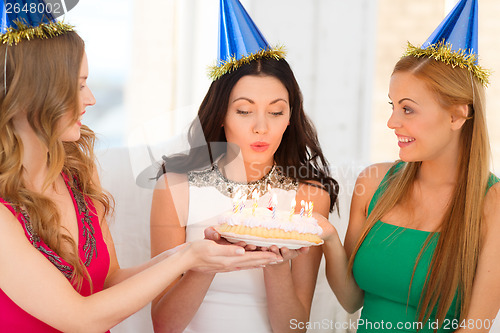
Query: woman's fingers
x=275, y=249
x=215, y=257
x=212, y=234
x=250, y=247
x=289, y=254
x=324, y=223
x=212, y=256
x=304, y=250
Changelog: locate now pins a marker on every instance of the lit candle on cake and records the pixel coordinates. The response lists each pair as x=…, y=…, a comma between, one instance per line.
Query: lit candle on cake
x=255, y=197
x=270, y=204
x=236, y=202
x=302, y=207
x=274, y=204
x=292, y=209
x=310, y=209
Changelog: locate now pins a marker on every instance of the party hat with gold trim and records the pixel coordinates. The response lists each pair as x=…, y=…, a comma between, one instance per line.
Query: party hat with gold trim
x=28, y=19
x=240, y=41
x=455, y=40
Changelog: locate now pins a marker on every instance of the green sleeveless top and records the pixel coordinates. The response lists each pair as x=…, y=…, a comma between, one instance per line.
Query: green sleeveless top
x=383, y=267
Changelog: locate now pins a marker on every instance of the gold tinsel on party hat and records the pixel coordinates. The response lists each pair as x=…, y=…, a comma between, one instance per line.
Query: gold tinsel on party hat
x=443, y=52
x=223, y=67
x=24, y=31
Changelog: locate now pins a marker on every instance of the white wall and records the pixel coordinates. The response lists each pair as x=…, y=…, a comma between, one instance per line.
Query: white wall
x=330, y=47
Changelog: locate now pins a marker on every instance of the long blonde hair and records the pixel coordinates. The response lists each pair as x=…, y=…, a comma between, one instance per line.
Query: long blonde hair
x=454, y=261
x=40, y=78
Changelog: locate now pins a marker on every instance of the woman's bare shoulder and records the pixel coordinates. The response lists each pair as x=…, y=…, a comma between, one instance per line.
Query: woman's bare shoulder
x=170, y=179
x=372, y=175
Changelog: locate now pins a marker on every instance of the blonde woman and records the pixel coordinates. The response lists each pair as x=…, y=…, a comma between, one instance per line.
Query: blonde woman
x=424, y=232
x=59, y=270
x=423, y=243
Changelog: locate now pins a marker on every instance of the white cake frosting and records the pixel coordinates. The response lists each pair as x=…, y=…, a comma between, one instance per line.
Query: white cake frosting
x=263, y=217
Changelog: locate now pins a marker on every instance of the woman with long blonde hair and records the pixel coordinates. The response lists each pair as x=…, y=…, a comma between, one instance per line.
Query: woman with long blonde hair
x=422, y=248
x=59, y=270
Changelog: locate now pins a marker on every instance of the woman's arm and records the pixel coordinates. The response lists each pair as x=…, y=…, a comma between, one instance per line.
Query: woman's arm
x=178, y=303
x=290, y=285
x=116, y=274
x=485, y=301
x=341, y=280
x=36, y=285
x=39, y=288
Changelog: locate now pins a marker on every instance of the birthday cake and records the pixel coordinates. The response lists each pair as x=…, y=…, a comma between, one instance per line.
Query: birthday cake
x=263, y=227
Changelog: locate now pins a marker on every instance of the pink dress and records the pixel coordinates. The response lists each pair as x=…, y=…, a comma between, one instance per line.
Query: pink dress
x=92, y=251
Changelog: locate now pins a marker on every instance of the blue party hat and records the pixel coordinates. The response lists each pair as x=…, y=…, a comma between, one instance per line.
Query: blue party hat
x=28, y=19
x=455, y=40
x=240, y=41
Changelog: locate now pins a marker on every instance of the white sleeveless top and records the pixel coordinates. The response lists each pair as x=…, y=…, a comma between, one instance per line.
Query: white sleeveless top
x=235, y=301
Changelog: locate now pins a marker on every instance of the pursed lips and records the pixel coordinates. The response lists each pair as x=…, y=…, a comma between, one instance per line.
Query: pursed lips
x=259, y=146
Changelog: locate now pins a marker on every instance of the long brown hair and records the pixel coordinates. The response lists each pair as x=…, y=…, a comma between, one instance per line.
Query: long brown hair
x=41, y=80
x=299, y=154
x=454, y=261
